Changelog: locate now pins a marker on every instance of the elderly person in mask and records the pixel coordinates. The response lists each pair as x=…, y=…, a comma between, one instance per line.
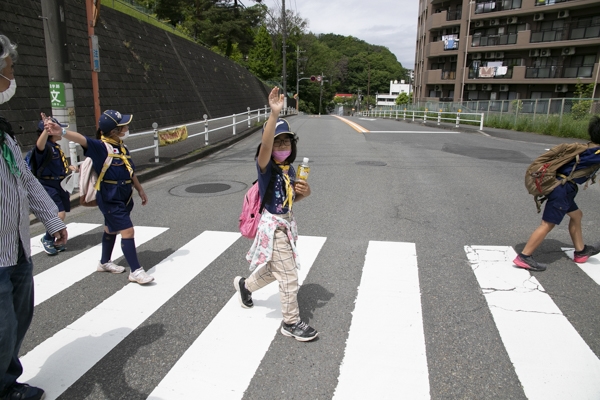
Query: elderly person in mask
x=20, y=192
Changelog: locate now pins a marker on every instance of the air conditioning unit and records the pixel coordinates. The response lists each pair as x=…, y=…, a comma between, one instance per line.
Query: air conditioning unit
x=504, y=88
x=476, y=56
x=478, y=24
x=563, y=14
x=494, y=22
x=471, y=86
x=511, y=20
x=456, y=29
x=534, y=53
x=437, y=88
x=453, y=58
x=538, y=17
x=499, y=54
x=561, y=88
x=487, y=87
x=545, y=53
x=490, y=54
x=568, y=51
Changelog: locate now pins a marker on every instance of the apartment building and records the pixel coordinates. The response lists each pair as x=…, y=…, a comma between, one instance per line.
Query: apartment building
x=506, y=49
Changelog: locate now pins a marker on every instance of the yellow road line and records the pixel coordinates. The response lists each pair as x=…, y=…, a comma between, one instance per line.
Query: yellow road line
x=354, y=125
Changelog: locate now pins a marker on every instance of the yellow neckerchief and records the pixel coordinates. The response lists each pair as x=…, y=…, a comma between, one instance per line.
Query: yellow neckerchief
x=62, y=157
x=289, y=192
x=125, y=158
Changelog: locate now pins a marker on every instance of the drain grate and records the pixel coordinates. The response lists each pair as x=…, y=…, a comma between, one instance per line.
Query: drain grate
x=372, y=163
x=207, y=189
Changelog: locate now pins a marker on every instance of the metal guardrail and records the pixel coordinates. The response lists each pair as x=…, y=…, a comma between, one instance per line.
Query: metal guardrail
x=247, y=117
x=433, y=116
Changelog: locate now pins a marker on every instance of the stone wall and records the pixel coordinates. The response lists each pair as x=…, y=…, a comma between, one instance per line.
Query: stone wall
x=157, y=76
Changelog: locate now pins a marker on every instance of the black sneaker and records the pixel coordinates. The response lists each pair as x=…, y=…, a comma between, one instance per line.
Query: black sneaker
x=528, y=263
x=244, y=295
x=583, y=255
x=299, y=331
x=22, y=391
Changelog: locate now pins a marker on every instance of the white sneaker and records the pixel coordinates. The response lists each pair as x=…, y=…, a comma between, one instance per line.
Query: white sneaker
x=110, y=267
x=140, y=276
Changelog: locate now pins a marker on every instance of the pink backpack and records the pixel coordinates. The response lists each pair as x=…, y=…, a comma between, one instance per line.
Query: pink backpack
x=252, y=208
x=251, y=212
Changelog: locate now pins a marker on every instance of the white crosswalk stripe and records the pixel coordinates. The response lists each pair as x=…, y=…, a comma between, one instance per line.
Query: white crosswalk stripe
x=522, y=310
x=74, y=229
x=591, y=267
x=381, y=368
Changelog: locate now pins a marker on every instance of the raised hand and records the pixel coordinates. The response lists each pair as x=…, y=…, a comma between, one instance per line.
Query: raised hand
x=275, y=100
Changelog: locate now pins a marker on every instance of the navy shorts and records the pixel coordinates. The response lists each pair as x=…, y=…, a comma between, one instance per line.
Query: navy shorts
x=560, y=202
x=116, y=203
x=61, y=197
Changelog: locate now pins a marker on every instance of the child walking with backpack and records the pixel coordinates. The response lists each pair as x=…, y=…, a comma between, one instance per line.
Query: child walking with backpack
x=273, y=255
x=49, y=164
x=114, y=198
x=561, y=202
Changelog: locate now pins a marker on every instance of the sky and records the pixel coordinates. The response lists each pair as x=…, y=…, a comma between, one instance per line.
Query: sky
x=388, y=23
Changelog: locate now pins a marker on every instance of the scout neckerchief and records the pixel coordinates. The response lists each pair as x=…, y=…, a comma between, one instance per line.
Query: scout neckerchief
x=62, y=157
x=8, y=155
x=289, y=192
x=123, y=156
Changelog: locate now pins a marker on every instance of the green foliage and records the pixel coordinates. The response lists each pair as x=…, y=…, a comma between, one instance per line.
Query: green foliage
x=581, y=109
x=261, y=59
x=404, y=98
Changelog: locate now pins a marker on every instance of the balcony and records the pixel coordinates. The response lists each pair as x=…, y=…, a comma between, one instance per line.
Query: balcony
x=549, y=2
x=454, y=15
x=507, y=75
x=448, y=75
x=575, y=31
x=494, y=40
x=559, y=71
x=482, y=7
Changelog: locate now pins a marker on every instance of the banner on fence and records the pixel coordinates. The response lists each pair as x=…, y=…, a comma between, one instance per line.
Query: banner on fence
x=170, y=136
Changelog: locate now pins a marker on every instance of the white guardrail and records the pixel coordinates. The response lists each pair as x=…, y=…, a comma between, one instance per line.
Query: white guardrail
x=247, y=116
x=431, y=116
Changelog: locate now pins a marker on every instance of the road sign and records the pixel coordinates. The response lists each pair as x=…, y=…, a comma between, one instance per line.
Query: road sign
x=319, y=78
x=313, y=78
x=57, y=95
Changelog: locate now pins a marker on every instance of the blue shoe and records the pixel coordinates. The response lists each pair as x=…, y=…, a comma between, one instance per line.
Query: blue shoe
x=49, y=247
x=60, y=247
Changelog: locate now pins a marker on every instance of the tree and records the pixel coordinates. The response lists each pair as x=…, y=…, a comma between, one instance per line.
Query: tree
x=404, y=98
x=261, y=59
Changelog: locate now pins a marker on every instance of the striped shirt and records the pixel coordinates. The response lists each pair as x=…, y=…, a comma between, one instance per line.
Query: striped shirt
x=19, y=194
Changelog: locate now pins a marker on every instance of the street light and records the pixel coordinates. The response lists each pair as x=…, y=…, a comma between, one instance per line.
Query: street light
x=298, y=92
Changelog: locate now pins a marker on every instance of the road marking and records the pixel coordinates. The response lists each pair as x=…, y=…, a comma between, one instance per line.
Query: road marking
x=354, y=125
x=391, y=362
x=61, y=360
x=368, y=119
x=74, y=229
x=215, y=362
x=440, y=131
x=591, y=267
x=58, y=278
x=550, y=358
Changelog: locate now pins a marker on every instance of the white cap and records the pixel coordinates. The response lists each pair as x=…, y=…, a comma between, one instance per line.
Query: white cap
x=305, y=160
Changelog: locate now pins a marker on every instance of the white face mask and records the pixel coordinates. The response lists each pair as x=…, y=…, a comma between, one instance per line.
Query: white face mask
x=10, y=92
x=125, y=135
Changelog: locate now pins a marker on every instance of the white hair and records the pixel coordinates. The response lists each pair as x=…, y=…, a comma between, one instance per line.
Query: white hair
x=7, y=49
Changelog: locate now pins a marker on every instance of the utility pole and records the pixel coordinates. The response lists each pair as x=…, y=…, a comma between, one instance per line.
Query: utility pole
x=59, y=72
x=284, y=55
x=92, y=12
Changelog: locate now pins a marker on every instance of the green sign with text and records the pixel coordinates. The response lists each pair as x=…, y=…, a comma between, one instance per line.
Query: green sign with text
x=57, y=95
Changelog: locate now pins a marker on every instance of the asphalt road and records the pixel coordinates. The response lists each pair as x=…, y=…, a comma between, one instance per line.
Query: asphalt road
x=440, y=189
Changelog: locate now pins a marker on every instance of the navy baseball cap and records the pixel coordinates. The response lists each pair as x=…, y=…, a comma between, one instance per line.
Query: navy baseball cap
x=110, y=119
x=40, y=127
x=281, y=127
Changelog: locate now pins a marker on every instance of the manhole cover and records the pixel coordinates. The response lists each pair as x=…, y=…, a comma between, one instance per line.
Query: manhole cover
x=207, y=189
x=372, y=163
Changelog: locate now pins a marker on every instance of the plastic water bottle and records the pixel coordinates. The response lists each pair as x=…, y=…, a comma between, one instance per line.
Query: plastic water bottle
x=303, y=170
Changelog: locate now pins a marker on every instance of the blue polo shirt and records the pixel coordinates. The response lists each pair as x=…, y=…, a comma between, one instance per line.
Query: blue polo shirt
x=96, y=150
x=56, y=167
x=587, y=159
x=274, y=205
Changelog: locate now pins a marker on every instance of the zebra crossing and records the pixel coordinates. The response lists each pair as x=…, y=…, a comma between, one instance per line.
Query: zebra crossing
x=384, y=368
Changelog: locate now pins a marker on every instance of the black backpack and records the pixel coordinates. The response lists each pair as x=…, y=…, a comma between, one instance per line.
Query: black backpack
x=31, y=161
